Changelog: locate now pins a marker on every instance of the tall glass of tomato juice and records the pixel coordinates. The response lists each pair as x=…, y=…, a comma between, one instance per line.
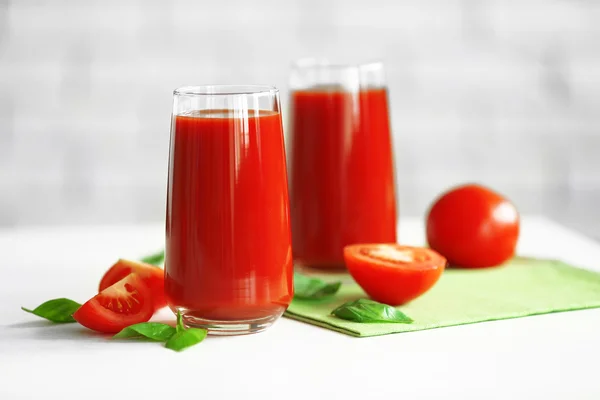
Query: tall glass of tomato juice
x=342, y=188
x=228, y=265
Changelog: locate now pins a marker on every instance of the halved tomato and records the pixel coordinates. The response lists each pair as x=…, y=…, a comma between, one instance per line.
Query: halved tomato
x=125, y=303
x=393, y=274
x=153, y=277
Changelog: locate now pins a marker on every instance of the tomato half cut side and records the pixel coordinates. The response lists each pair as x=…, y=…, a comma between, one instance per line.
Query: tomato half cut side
x=393, y=274
x=125, y=303
x=153, y=277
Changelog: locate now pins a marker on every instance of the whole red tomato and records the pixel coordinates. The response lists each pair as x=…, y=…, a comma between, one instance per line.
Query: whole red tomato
x=473, y=227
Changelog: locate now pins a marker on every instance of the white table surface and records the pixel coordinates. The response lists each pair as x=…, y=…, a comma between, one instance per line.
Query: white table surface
x=555, y=356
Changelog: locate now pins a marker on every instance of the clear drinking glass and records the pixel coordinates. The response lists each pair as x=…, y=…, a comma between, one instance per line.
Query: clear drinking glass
x=228, y=265
x=342, y=168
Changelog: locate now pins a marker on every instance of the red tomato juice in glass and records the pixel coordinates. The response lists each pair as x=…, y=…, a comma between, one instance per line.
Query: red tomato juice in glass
x=342, y=179
x=228, y=244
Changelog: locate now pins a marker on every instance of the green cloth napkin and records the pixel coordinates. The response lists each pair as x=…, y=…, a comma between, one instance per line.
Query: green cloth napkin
x=521, y=287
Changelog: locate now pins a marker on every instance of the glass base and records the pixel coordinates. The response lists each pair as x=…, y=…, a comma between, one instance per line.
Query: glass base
x=228, y=328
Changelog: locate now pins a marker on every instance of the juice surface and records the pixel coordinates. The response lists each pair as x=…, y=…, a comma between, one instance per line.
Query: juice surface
x=342, y=179
x=228, y=244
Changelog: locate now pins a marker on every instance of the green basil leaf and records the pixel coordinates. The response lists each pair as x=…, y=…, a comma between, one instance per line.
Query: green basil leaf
x=313, y=288
x=154, y=259
x=151, y=330
x=365, y=310
x=184, y=339
x=56, y=310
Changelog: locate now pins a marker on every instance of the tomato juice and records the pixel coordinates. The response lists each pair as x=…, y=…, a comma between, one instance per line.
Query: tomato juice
x=228, y=244
x=342, y=183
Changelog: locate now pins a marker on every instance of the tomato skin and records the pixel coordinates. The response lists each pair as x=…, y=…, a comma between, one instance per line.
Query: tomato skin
x=125, y=303
x=473, y=227
x=153, y=276
x=390, y=282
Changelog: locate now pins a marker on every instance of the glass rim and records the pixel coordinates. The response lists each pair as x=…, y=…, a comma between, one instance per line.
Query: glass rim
x=224, y=90
x=310, y=62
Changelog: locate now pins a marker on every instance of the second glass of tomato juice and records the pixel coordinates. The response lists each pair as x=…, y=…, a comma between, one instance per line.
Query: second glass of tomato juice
x=228, y=265
x=342, y=170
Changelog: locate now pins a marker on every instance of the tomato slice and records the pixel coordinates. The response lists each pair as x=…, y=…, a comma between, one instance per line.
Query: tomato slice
x=153, y=277
x=393, y=274
x=125, y=303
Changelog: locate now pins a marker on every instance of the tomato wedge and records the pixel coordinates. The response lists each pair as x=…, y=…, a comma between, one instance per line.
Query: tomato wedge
x=153, y=277
x=125, y=303
x=393, y=274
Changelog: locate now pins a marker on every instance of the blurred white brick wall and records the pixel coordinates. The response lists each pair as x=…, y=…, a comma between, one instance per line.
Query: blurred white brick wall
x=505, y=92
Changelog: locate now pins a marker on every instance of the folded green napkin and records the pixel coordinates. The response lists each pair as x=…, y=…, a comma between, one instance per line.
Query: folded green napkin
x=521, y=287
